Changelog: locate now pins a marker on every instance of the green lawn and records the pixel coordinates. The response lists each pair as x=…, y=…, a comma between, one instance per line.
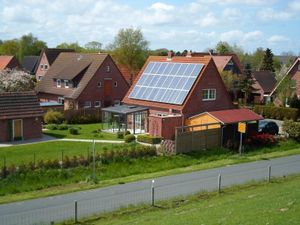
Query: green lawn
x=52, y=182
x=258, y=203
x=86, y=131
x=50, y=150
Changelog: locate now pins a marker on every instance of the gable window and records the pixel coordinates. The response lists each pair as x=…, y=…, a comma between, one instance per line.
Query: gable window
x=58, y=83
x=45, y=66
x=99, y=84
x=66, y=83
x=209, y=94
x=97, y=104
x=107, y=69
x=116, y=84
x=42, y=66
x=87, y=104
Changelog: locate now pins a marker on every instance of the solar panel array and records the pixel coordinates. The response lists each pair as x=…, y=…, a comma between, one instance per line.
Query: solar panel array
x=166, y=82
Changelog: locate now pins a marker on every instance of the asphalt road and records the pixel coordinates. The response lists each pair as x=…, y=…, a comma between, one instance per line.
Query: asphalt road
x=45, y=210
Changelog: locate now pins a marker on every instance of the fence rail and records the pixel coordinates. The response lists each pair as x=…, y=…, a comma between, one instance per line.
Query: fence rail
x=149, y=192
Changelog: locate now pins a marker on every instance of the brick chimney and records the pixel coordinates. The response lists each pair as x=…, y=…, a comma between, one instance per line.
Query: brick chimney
x=170, y=55
x=189, y=54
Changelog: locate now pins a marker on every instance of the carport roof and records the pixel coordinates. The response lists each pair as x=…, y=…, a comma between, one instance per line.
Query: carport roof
x=234, y=116
x=125, y=109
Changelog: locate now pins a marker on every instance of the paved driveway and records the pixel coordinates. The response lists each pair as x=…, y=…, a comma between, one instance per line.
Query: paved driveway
x=58, y=208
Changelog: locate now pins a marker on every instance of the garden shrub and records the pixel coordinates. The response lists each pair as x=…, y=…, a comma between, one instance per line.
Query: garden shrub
x=51, y=126
x=149, y=139
x=261, y=140
x=129, y=138
x=74, y=130
x=120, y=135
x=279, y=113
x=53, y=116
x=127, y=132
x=292, y=129
x=62, y=127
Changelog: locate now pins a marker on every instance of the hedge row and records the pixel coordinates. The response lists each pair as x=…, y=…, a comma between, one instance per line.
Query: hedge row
x=76, y=161
x=149, y=139
x=278, y=113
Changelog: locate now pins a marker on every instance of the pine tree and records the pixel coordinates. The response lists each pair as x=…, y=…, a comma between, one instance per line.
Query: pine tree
x=268, y=63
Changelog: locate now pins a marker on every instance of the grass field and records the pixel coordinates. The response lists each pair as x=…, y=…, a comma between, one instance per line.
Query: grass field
x=52, y=182
x=51, y=150
x=86, y=131
x=260, y=204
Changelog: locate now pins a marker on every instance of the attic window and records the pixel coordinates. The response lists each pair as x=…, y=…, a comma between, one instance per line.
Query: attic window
x=45, y=66
x=99, y=84
x=66, y=83
x=42, y=66
x=107, y=69
x=116, y=84
x=209, y=94
x=58, y=83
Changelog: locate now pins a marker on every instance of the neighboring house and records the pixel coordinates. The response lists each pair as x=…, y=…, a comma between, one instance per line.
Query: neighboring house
x=29, y=63
x=264, y=84
x=83, y=81
x=167, y=91
x=129, y=77
x=224, y=62
x=46, y=59
x=20, y=116
x=294, y=74
x=9, y=62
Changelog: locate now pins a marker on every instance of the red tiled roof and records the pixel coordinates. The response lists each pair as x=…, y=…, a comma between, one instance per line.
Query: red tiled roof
x=4, y=61
x=235, y=115
x=126, y=73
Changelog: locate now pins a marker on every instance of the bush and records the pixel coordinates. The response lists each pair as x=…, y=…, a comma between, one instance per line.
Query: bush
x=292, y=129
x=129, y=138
x=74, y=130
x=120, y=135
x=52, y=116
x=51, y=126
x=127, y=132
x=149, y=139
x=83, y=116
x=279, y=113
x=261, y=140
x=62, y=127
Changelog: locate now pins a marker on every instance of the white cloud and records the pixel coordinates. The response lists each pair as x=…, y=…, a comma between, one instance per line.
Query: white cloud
x=159, y=6
x=231, y=14
x=242, y=2
x=207, y=20
x=294, y=6
x=240, y=37
x=270, y=14
x=277, y=39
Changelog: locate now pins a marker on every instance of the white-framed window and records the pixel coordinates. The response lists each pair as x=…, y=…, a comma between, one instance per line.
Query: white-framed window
x=66, y=82
x=107, y=69
x=116, y=84
x=209, y=94
x=87, y=104
x=40, y=78
x=97, y=104
x=117, y=102
x=42, y=66
x=61, y=100
x=45, y=66
x=99, y=84
x=58, y=83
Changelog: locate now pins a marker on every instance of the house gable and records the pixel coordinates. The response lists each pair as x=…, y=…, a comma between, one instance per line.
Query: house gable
x=210, y=79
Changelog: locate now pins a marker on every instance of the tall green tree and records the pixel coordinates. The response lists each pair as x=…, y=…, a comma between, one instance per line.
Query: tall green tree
x=268, y=62
x=93, y=46
x=247, y=82
x=30, y=45
x=256, y=58
x=10, y=47
x=130, y=48
x=223, y=48
x=73, y=45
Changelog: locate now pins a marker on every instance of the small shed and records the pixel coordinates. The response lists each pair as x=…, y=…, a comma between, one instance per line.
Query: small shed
x=20, y=116
x=227, y=121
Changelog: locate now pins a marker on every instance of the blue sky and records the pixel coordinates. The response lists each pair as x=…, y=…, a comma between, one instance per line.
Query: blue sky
x=194, y=24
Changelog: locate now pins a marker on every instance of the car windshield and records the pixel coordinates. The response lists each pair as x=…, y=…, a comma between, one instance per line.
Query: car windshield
x=262, y=123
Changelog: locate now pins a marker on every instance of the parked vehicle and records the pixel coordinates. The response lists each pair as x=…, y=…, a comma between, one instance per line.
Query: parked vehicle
x=268, y=127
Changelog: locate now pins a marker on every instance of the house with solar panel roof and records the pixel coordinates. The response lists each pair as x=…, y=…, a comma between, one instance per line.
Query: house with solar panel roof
x=167, y=92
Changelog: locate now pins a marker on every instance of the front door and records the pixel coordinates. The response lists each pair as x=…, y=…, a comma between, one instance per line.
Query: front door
x=17, y=129
x=107, y=92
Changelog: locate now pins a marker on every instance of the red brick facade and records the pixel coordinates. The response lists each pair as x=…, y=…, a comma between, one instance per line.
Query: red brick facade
x=41, y=70
x=164, y=126
x=32, y=128
x=295, y=75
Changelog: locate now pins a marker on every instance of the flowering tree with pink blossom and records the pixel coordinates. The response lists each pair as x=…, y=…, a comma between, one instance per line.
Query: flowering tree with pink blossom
x=16, y=80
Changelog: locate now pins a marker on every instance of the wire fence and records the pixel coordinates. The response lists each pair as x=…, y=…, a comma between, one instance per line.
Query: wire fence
x=88, y=203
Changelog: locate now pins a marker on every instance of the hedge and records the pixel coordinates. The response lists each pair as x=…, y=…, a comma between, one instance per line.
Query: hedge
x=149, y=139
x=278, y=113
x=104, y=157
x=292, y=128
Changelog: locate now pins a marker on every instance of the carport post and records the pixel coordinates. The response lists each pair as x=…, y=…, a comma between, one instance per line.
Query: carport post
x=75, y=212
